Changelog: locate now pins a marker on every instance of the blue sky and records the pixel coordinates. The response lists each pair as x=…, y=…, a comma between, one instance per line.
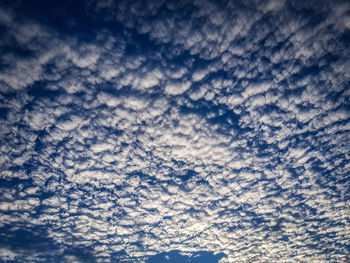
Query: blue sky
x=175, y=131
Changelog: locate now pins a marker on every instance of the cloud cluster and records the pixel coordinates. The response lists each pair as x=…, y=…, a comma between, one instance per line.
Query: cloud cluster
x=199, y=126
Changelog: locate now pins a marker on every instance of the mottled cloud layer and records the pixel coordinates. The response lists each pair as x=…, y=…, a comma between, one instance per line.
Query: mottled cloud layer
x=190, y=126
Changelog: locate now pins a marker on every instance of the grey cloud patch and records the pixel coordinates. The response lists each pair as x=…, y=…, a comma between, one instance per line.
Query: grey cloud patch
x=230, y=136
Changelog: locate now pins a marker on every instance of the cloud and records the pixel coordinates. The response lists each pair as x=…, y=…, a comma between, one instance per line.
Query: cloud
x=223, y=129
x=176, y=88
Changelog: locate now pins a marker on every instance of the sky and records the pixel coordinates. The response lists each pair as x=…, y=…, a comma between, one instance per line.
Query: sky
x=174, y=131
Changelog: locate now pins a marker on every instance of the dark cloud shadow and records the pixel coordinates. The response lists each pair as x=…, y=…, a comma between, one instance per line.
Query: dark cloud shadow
x=176, y=257
x=30, y=242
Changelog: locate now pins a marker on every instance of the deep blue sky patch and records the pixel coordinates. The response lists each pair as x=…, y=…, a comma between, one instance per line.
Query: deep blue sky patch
x=174, y=131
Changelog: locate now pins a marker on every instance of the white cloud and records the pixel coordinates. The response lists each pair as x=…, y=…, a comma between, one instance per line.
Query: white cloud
x=177, y=87
x=124, y=149
x=7, y=254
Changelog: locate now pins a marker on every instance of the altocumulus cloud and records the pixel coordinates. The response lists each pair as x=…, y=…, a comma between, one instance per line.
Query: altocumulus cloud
x=133, y=128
